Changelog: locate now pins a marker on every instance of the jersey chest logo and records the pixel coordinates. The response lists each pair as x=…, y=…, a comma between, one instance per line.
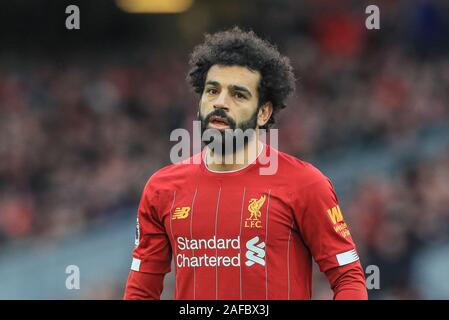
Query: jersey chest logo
x=253, y=221
x=256, y=252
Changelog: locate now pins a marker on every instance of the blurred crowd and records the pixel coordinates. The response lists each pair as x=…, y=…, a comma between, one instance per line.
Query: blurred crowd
x=78, y=143
x=79, y=138
x=395, y=217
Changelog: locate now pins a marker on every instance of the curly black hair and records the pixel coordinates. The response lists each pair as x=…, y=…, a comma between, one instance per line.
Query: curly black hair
x=237, y=47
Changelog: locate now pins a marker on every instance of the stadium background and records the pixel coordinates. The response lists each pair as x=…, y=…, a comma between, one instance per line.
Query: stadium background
x=85, y=117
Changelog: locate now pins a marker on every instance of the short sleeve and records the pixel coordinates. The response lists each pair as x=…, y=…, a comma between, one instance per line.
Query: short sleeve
x=322, y=225
x=152, y=252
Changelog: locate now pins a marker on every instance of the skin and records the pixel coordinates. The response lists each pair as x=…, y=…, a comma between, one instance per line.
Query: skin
x=234, y=90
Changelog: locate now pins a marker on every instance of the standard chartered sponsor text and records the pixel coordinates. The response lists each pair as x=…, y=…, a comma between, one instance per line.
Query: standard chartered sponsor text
x=186, y=258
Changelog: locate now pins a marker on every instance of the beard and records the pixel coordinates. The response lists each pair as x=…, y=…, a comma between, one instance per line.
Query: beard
x=235, y=132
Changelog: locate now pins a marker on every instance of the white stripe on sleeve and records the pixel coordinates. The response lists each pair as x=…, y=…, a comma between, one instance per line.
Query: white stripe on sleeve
x=135, y=265
x=347, y=257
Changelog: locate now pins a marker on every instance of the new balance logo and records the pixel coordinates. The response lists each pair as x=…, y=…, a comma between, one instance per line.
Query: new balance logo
x=255, y=253
x=181, y=213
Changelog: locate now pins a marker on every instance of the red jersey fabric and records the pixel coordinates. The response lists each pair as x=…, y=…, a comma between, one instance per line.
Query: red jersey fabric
x=242, y=234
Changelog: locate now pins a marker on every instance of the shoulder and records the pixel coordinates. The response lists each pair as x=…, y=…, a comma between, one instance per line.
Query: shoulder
x=311, y=187
x=173, y=174
x=303, y=172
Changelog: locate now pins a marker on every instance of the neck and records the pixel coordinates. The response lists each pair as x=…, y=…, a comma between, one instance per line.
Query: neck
x=237, y=160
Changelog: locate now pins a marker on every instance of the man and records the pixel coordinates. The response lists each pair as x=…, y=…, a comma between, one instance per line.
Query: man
x=233, y=232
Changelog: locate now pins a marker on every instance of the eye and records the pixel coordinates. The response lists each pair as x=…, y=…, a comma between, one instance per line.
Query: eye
x=238, y=95
x=212, y=91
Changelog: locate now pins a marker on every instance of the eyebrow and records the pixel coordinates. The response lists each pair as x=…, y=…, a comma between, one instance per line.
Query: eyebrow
x=232, y=87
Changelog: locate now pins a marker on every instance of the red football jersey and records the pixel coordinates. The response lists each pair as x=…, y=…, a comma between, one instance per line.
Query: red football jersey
x=241, y=234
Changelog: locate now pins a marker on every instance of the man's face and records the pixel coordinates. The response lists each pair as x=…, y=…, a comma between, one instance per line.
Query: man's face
x=230, y=99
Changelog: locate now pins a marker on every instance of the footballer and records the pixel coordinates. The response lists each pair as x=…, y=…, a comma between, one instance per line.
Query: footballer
x=230, y=231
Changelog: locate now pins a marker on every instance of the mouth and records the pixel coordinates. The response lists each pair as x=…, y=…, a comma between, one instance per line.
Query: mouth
x=218, y=123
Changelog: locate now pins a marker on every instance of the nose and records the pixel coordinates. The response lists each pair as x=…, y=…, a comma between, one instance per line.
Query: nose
x=220, y=102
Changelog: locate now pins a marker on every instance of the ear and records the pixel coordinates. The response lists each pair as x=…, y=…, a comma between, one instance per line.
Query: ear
x=264, y=114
